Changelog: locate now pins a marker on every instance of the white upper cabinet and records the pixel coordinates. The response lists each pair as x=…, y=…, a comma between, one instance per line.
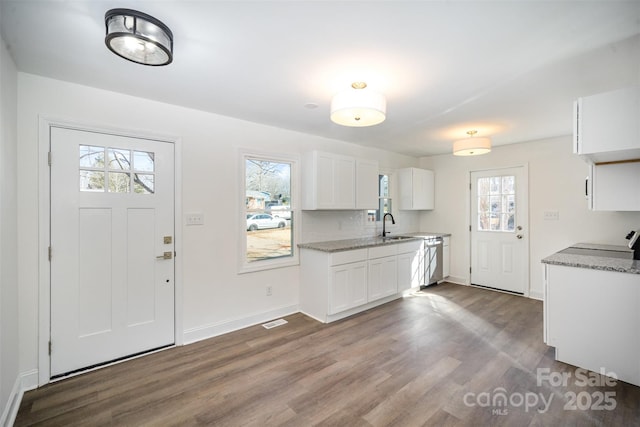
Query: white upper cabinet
x=416, y=189
x=614, y=187
x=366, y=184
x=607, y=126
x=333, y=182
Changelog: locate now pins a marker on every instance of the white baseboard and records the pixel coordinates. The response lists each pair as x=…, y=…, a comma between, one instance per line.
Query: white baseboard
x=29, y=380
x=536, y=295
x=209, y=331
x=10, y=411
x=457, y=280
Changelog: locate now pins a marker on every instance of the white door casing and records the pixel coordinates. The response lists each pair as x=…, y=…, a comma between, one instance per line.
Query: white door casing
x=499, y=229
x=110, y=296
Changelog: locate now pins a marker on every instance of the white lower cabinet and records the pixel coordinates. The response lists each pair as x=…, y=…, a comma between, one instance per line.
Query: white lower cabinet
x=383, y=277
x=339, y=284
x=592, y=318
x=410, y=265
x=347, y=286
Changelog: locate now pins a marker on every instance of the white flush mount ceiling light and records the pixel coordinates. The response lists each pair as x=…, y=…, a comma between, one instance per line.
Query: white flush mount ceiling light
x=358, y=107
x=472, y=146
x=138, y=37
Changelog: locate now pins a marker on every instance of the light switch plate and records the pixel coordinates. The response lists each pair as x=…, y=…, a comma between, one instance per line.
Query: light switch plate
x=551, y=215
x=195, y=218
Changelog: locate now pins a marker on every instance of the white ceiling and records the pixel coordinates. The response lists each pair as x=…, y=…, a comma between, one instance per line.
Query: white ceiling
x=509, y=69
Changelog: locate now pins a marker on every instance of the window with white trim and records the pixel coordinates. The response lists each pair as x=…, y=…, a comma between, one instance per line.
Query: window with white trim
x=268, y=201
x=384, y=200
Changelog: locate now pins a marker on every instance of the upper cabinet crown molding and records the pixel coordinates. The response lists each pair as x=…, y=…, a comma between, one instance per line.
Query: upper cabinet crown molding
x=607, y=126
x=417, y=189
x=338, y=182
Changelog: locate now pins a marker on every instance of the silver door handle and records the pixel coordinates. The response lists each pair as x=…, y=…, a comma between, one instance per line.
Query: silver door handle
x=519, y=236
x=165, y=255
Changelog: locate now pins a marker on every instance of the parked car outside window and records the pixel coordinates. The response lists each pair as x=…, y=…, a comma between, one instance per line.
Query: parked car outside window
x=262, y=220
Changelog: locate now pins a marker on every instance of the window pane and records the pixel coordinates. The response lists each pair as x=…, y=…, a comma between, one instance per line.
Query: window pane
x=92, y=181
x=496, y=212
x=143, y=183
x=383, y=185
x=119, y=182
x=483, y=186
x=269, y=232
x=494, y=185
x=483, y=221
x=508, y=222
x=119, y=159
x=143, y=161
x=495, y=221
x=91, y=157
x=508, y=184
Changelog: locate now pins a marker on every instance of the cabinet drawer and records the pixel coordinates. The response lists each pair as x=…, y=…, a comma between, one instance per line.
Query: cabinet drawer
x=383, y=251
x=407, y=247
x=347, y=257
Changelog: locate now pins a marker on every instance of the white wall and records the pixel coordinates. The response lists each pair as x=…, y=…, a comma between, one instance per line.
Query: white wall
x=9, y=342
x=556, y=182
x=216, y=298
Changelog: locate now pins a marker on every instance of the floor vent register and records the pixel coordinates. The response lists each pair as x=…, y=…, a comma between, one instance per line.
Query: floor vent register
x=275, y=323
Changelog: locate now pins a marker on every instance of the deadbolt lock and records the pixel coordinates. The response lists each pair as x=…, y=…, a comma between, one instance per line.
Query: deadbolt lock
x=167, y=240
x=165, y=255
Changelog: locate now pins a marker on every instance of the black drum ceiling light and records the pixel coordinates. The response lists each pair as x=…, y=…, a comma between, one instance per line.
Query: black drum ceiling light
x=138, y=37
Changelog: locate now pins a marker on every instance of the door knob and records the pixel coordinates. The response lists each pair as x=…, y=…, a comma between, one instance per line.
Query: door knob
x=165, y=255
x=519, y=228
x=519, y=236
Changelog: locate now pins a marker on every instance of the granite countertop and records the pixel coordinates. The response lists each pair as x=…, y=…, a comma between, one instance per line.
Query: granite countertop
x=366, y=242
x=606, y=263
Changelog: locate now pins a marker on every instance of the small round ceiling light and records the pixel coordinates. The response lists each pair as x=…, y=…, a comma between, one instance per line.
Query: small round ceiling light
x=358, y=107
x=138, y=37
x=472, y=146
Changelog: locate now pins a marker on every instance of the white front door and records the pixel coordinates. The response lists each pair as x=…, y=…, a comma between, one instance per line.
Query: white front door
x=112, y=216
x=499, y=244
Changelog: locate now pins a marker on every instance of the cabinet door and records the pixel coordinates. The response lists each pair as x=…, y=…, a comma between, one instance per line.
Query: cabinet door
x=416, y=189
x=615, y=187
x=446, y=256
x=366, y=184
x=409, y=270
x=344, y=182
x=325, y=180
x=608, y=122
x=329, y=181
x=383, y=278
x=347, y=286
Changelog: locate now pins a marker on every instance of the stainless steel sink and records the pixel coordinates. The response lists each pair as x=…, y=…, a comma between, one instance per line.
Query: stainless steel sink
x=391, y=238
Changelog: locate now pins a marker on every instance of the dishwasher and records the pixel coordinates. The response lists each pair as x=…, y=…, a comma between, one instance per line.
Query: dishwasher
x=433, y=257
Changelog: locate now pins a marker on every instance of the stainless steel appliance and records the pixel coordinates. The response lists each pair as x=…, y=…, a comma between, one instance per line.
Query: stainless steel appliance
x=433, y=257
x=634, y=243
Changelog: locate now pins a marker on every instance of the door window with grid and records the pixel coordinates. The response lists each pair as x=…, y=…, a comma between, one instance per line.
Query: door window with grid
x=496, y=203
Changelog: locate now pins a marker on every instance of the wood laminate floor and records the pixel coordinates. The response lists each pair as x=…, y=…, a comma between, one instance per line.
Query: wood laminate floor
x=443, y=357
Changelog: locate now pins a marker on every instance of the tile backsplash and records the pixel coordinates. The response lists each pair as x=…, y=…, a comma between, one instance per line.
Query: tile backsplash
x=318, y=226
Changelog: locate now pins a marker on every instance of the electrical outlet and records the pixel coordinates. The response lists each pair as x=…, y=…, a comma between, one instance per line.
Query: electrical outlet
x=269, y=291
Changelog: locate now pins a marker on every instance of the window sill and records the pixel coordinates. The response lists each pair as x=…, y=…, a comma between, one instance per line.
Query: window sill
x=269, y=265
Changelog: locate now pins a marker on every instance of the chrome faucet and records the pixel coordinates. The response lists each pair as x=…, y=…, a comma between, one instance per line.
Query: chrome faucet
x=384, y=229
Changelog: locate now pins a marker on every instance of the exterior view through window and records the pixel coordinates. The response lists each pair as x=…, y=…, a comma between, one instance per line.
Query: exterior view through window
x=269, y=230
x=384, y=200
x=496, y=203
x=114, y=170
